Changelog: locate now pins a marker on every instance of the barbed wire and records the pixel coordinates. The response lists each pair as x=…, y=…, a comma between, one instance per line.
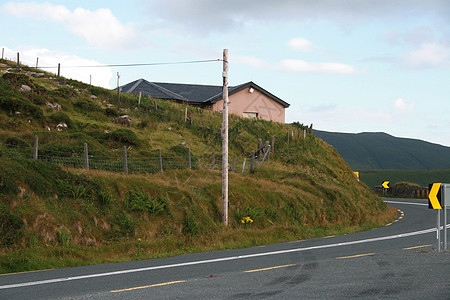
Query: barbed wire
x=118, y=65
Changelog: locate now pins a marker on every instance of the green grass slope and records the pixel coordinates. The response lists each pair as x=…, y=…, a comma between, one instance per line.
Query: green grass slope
x=376, y=150
x=56, y=214
x=422, y=177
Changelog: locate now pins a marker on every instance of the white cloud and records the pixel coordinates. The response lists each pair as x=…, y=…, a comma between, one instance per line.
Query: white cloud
x=301, y=66
x=296, y=66
x=402, y=106
x=251, y=61
x=301, y=44
x=100, y=27
x=207, y=15
x=429, y=55
x=48, y=61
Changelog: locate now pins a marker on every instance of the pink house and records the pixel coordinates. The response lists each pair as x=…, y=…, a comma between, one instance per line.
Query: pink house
x=246, y=100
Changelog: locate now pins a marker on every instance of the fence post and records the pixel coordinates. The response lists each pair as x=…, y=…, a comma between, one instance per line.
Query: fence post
x=160, y=161
x=139, y=101
x=252, y=163
x=156, y=107
x=59, y=70
x=86, y=156
x=266, y=154
x=213, y=160
x=243, y=165
x=287, y=137
x=18, y=64
x=233, y=169
x=266, y=151
x=189, y=158
x=35, y=148
x=125, y=160
x=260, y=145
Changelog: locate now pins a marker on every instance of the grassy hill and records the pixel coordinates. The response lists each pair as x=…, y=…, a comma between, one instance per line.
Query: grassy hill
x=56, y=214
x=422, y=177
x=376, y=150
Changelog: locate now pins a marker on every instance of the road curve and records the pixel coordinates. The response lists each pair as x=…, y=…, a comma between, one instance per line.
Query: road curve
x=396, y=260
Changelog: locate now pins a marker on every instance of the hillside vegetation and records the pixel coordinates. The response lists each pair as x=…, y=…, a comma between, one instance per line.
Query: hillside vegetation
x=422, y=177
x=377, y=150
x=56, y=214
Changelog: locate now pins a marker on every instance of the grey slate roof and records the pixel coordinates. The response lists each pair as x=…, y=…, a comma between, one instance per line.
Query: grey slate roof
x=191, y=93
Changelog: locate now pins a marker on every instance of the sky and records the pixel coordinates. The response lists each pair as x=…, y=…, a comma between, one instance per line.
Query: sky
x=343, y=65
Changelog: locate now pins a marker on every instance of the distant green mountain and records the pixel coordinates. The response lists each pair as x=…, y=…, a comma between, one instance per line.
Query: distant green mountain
x=381, y=151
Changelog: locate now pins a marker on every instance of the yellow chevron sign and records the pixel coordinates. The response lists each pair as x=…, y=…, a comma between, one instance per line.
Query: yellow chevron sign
x=385, y=184
x=434, y=202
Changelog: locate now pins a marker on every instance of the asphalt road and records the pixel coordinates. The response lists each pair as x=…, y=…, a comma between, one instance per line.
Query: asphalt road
x=398, y=261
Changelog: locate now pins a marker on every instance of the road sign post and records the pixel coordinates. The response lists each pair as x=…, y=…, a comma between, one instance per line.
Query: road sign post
x=385, y=186
x=445, y=200
x=438, y=228
x=437, y=200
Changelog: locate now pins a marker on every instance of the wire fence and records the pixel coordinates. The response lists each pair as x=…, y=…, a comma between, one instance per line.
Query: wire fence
x=131, y=164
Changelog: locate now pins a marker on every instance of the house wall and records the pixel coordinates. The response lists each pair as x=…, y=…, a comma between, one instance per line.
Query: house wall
x=256, y=102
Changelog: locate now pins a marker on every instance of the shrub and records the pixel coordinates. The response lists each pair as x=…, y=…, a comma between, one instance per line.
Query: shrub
x=69, y=190
x=13, y=105
x=17, y=79
x=122, y=226
x=124, y=136
x=253, y=212
x=98, y=91
x=63, y=92
x=190, y=225
x=60, y=117
x=111, y=112
x=8, y=186
x=13, y=141
x=86, y=105
x=11, y=227
x=139, y=201
x=63, y=237
x=105, y=198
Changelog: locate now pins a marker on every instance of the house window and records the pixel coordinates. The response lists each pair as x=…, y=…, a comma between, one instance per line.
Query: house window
x=251, y=115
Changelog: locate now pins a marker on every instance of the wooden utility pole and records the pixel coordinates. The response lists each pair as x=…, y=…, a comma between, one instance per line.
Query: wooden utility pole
x=225, y=139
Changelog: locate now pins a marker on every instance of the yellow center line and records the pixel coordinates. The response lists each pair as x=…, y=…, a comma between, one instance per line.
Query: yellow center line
x=271, y=268
x=359, y=255
x=416, y=247
x=147, y=286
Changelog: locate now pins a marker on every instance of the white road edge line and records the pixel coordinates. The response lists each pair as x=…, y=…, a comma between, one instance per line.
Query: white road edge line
x=410, y=203
x=208, y=261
